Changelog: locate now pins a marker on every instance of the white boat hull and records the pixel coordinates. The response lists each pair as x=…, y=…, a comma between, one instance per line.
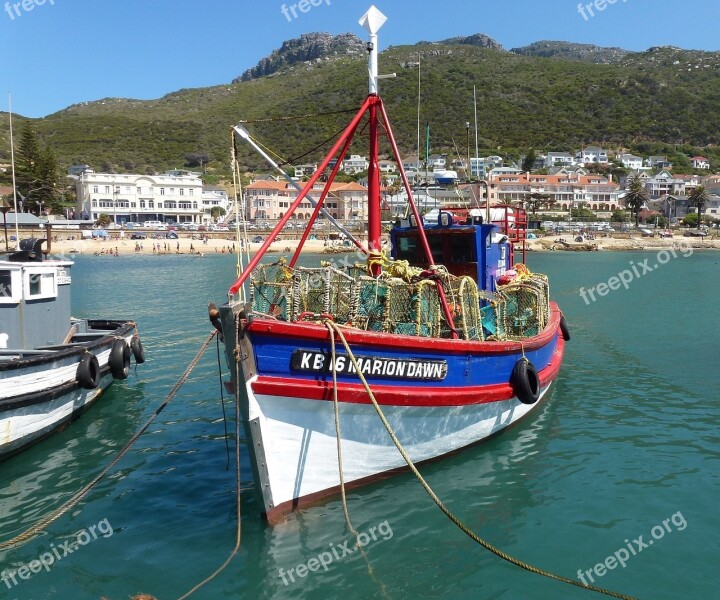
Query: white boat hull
x=38, y=399
x=295, y=443
x=26, y=425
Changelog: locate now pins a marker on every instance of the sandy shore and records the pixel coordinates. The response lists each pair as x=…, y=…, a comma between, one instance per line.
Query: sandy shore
x=219, y=246
x=633, y=242
x=125, y=247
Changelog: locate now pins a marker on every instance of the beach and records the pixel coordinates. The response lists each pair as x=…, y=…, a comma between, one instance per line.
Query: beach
x=125, y=247
x=187, y=245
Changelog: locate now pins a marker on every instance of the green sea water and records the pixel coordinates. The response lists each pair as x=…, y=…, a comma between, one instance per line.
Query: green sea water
x=627, y=446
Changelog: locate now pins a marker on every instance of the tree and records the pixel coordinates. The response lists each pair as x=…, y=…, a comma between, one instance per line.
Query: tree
x=698, y=198
x=28, y=157
x=197, y=159
x=47, y=178
x=583, y=214
x=536, y=201
x=619, y=216
x=216, y=212
x=636, y=196
x=103, y=220
x=529, y=161
x=691, y=220
x=37, y=172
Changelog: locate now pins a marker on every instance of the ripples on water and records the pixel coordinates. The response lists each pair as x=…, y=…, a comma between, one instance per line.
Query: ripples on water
x=627, y=439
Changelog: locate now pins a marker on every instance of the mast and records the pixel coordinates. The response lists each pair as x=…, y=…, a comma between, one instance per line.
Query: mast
x=12, y=160
x=372, y=21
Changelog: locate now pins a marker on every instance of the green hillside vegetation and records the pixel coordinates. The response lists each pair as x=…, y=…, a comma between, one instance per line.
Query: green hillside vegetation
x=663, y=101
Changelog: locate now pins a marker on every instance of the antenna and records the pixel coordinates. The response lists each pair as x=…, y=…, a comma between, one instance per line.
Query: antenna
x=372, y=21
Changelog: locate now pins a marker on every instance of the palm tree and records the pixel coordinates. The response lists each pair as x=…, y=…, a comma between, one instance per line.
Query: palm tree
x=698, y=198
x=635, y=196
x=103, y=220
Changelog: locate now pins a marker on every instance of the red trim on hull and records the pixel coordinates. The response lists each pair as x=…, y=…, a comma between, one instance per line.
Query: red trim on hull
x=316, y=331
x=355, y=393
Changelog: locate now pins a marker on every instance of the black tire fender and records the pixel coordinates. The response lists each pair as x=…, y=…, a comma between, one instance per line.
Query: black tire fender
x=119, y=360
x=564, y=328
x=88, y=371
x=525, y=381
x=137, y=350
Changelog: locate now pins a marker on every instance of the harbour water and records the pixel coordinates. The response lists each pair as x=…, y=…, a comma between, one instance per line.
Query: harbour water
x=622, y=462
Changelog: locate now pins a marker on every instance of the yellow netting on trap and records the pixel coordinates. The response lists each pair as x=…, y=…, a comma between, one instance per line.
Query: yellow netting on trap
x=395, y=306
x=525, y=307
x=323, y=290
x=271, y=290
x=404, y=300
x=464, y=303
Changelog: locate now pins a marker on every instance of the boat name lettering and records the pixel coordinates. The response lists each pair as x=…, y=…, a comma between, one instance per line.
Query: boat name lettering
x=375, y=366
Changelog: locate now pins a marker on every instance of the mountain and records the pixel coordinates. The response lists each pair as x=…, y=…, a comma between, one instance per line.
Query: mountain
x=661, y=101
x=308, y=47
x=479, y=39
x=577, y=52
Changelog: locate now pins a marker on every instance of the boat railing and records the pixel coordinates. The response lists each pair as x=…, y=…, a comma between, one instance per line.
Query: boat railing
x=513, y=222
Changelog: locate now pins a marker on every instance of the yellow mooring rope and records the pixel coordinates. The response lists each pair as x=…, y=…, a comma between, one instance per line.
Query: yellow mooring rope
x=238, y=531
x=338, y=437
x=464, y=528
x=30, y=533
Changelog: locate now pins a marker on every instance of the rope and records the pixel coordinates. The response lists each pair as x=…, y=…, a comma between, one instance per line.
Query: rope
x=78, y=496
x=441, y=506
x=237, y=188
x=299, y=117
x=296, y=159
x=238, y=532
x=339, y=443
x=346, y=512
x=222, y=402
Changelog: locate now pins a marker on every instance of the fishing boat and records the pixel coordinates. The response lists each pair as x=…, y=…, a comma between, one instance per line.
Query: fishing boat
x=52, y=366
x=449, y=336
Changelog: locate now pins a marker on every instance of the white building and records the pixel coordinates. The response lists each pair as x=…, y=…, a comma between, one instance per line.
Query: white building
x=387, y=166
x=480, y=167
x=630, y=161
x=412, y=162
x=212, y=197
x=700, y=162
x=559, y=159
x=128, y=198
x=593, y=155
x=658, y=162
x=355, y=164
x=306, y=170
x=437, y=161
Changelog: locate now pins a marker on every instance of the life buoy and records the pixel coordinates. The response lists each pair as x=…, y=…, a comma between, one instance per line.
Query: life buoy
x=564, y=328
x=137, y=350
x=88, y=371
x=119, y=360
x=525, y=381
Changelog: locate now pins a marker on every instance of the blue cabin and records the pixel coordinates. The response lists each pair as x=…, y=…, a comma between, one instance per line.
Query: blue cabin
x=478, y=250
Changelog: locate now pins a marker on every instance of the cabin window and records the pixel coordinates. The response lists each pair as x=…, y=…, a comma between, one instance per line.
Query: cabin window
x=40, y=284
x=9, y=286
x=407, y=248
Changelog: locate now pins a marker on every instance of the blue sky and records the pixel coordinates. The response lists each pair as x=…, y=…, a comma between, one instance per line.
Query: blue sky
x=60, y=52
